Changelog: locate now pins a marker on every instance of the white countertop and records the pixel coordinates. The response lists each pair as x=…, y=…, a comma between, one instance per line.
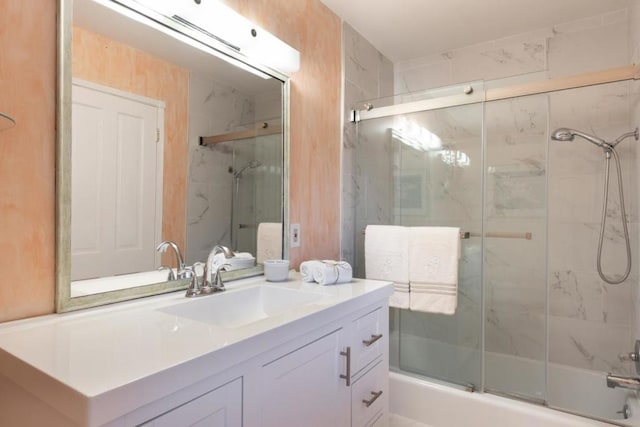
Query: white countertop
x=91, y=353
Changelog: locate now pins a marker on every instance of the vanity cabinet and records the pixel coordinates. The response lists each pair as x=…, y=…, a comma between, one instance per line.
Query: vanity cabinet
x=334, y=376
x=316, y=365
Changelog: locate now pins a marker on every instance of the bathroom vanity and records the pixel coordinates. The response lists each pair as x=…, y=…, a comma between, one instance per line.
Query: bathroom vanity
x=259, y=354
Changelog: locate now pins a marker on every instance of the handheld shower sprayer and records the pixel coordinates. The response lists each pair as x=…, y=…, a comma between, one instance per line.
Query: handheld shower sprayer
x=566, y=134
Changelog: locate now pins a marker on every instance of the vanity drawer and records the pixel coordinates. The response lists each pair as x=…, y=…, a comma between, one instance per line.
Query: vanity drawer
x=368, y=340
x=368, y=396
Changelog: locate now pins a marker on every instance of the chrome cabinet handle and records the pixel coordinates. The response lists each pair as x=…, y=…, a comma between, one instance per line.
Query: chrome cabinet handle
x=376, y=395
x=347, y=376
x=373, y=339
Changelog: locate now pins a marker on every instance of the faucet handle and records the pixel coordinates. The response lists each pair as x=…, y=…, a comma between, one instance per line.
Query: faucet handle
x=194, y=288
x=634, y=356
x=218, y=285
x=629, y=357
x=171, y=276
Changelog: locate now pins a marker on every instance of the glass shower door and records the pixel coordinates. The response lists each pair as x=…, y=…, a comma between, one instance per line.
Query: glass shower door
x=425, y=169
x=514, y=274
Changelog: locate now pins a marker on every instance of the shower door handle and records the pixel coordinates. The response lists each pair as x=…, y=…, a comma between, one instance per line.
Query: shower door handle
x=347, y=375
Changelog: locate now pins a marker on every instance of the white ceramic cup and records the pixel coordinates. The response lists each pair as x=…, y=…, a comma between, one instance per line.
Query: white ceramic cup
x=276, y=270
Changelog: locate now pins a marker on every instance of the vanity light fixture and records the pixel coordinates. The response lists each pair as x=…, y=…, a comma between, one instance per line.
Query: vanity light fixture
x=217, y=20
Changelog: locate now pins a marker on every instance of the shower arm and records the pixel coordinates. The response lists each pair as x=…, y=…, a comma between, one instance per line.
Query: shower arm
x=634, y=134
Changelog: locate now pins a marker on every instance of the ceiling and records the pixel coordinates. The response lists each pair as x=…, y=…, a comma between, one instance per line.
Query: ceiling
x=409, y=29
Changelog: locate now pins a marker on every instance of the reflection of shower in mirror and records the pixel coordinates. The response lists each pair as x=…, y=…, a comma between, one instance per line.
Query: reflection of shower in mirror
x=235, y=188
x=237, y=173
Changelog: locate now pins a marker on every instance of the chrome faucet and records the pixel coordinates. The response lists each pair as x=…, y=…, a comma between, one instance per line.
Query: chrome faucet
x=182, y=272
x=623, y=382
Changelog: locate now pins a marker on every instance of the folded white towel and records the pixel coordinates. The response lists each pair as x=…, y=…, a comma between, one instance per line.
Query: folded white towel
x=326, y=272
x=433, y=269
x=269, y=241
x=386, y=252
x=243, y=255
x=400, y=298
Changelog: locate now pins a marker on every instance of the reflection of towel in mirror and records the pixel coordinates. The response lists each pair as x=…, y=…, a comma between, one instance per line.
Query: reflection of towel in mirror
x=326, y=272
x=269, y=241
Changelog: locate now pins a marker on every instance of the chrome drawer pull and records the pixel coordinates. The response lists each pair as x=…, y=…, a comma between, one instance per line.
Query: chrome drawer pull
x=373, y=339
x=375, y=397
x=347, y=376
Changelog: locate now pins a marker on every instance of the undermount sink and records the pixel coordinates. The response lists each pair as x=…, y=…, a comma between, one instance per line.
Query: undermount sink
x=236, y=308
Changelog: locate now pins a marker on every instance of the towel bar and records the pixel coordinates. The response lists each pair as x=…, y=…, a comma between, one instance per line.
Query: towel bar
x=494, y=234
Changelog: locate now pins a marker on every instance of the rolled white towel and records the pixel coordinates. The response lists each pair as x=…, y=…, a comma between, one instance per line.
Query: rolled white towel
x=307, y=269
x=333, y=272
x=326, y=272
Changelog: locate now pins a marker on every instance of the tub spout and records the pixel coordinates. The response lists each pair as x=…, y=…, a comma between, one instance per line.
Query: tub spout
x=623, y=382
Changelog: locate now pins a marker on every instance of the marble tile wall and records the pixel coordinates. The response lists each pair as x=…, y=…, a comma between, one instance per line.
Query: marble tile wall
x=366, y=180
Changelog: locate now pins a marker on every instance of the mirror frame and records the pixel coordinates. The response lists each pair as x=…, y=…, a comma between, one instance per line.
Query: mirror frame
x=63, y=300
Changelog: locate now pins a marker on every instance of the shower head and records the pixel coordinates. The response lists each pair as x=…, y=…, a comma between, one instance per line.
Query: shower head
x=249, y=165
x=566, y=134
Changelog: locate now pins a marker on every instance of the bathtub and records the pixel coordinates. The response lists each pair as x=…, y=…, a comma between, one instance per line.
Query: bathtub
x=438, y=405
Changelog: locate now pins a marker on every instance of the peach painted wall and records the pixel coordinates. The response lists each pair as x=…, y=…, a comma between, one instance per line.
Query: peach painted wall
x=27, y=152
x=107, y=62
x=315, y=31
x=27, y=158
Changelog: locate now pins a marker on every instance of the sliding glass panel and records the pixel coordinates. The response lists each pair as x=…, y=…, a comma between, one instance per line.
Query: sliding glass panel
x=425, y=169
x=515, y=246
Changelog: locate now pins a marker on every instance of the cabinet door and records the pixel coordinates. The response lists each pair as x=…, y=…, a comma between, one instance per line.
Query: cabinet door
x=303, y=388
x=221, y=407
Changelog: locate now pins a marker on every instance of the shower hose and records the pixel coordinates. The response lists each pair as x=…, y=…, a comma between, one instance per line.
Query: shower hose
x=613, y=281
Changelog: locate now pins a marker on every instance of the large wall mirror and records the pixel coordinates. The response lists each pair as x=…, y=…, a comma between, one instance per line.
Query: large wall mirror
x=165, y=134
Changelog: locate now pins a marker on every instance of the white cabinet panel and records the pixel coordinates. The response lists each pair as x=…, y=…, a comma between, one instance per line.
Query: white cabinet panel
x=303, y=388
x=221, y=407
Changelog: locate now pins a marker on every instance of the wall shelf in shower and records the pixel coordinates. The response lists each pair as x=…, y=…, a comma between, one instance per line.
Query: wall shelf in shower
x=6, y=121
x=268, y=127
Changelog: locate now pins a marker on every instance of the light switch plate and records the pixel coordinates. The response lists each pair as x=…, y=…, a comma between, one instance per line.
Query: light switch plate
x=294, y=236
